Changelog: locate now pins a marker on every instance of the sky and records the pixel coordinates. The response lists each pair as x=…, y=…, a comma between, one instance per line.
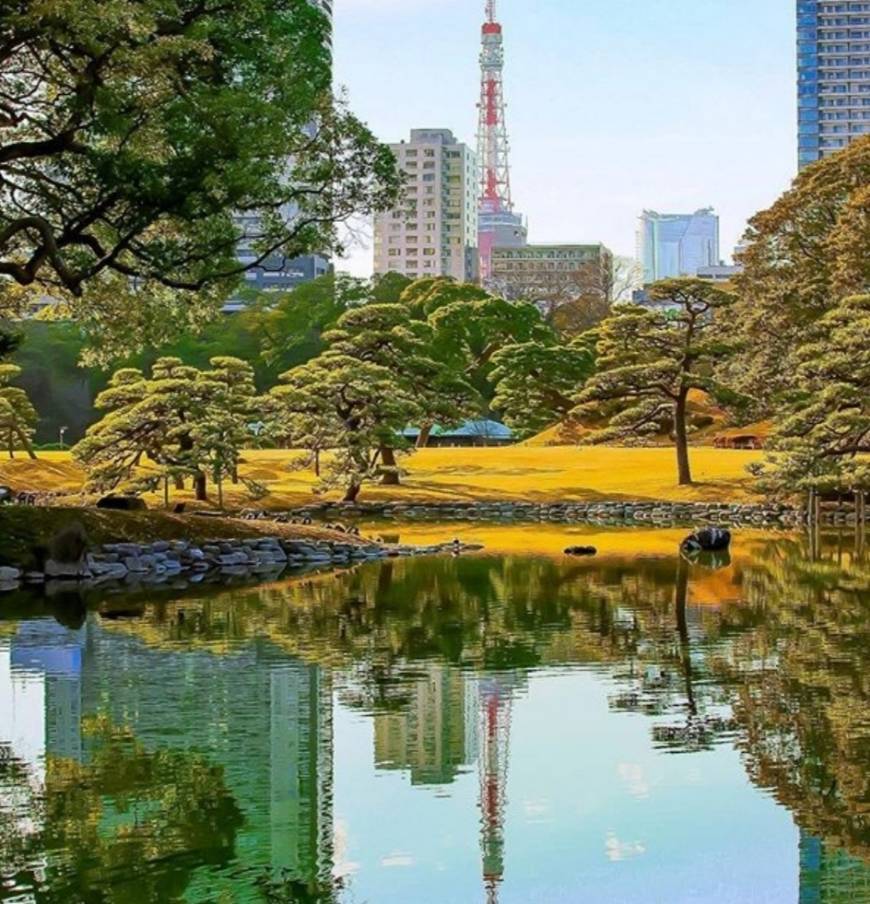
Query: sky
x=614, y=106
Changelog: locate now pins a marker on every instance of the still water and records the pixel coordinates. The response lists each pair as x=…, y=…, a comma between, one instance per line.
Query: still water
x=509, y=727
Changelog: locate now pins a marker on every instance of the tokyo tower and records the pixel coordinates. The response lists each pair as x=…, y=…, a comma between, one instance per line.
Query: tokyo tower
x=499, y=225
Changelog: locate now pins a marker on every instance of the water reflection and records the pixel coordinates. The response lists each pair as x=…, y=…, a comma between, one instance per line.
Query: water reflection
x=216, y=747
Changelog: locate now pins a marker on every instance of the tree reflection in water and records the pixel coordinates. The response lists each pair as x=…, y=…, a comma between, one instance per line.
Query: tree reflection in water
x=768, y=651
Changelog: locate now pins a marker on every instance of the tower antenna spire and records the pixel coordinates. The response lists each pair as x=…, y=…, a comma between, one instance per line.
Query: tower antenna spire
x=499, y=225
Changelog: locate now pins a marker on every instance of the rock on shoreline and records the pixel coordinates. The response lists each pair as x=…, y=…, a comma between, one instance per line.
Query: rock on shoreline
x=164, y=560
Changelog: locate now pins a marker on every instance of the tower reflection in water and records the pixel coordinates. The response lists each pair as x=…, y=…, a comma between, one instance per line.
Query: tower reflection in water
x=766, y=656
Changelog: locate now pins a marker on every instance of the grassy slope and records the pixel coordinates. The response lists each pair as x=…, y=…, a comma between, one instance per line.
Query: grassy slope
x=517, y=472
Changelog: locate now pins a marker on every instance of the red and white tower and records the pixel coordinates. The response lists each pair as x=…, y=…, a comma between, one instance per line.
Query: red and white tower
x=499, y=225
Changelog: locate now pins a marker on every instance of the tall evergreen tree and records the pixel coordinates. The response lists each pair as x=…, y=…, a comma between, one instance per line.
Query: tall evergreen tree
x=648, y=361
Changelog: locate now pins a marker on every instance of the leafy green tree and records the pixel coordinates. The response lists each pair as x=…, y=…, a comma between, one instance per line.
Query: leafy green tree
x=291, y=327
x=536, y=382
x=387, y=288
x=382, y=334
x=648, y=361
x=135, y=133
x=468, y=327
x=803, y=256
x=357, y=405
x=821, y=436
x=18, y=417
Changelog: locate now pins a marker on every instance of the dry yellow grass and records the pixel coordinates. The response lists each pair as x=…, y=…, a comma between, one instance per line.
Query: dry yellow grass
x=518, y=472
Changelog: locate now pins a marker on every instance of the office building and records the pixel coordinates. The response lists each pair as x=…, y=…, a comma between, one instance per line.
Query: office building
x=433, y=229
x=277, y=273
x=677, y=244
x=535, y=272
x=833, y=57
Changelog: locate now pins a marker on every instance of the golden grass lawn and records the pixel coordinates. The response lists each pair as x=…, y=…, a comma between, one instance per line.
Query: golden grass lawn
x=526, y=473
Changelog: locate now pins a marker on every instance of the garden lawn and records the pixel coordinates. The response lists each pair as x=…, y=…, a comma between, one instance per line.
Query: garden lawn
x=585, y=473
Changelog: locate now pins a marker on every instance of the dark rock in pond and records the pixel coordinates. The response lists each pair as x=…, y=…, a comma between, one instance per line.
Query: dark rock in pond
x=707, y=539
x=710, y=560
x=581, y=551
x=122, y=503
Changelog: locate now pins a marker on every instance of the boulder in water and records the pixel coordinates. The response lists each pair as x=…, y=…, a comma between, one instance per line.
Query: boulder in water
x=707, y=539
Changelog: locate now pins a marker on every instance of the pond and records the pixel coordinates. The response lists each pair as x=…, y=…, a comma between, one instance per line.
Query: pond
x=513, y=726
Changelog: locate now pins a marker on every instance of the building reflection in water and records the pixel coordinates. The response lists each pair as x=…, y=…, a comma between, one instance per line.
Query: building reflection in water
x=773, y=665
x=264, y=719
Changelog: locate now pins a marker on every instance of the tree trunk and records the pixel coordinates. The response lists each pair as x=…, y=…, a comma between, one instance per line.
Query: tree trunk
x=390, y=476
x=220, y=488
x=423, y=438
x=352, y=492
x=27, y=447
x=317, y=462
x=179, y=482
x=235, y=474
x=200, y=487
x=681, y=598
x=166, y=491
x=682, y=439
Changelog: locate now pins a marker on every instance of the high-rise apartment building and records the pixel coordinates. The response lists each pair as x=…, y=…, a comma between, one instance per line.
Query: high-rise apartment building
x=677, y=244
x=432, y=231
x=833, y=42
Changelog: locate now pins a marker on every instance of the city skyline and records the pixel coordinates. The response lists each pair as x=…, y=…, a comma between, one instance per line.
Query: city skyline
x=631, y=124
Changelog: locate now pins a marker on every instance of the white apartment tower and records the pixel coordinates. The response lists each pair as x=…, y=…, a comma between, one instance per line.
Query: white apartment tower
x=433, y=229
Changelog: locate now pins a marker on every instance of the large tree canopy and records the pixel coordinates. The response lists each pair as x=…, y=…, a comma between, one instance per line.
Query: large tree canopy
x=822, y=432
x=140, y=140
x=803, y=256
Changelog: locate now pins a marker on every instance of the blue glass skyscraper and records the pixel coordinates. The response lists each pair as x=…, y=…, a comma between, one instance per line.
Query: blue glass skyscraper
x=833, y=56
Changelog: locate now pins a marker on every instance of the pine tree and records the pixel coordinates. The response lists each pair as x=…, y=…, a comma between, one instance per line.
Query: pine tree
x=382, y=334
x=649, y=360
x=183, y=421
x=18, y=417
x=821, y=436
x=356, y=406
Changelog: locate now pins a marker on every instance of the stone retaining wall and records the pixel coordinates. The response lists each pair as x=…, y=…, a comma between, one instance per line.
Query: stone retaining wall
x=162, y=561
x=690, y=513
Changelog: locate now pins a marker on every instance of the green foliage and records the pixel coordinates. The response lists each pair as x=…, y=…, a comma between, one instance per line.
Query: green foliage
x=823, y=427
x=536, y=382
x=18, y=417
x=804, y=255
x=354, y=407
x=649, y=360
x=135, y=133
x=387, y=288
x=187, y=422
x=290, y=328
x=469, y=326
